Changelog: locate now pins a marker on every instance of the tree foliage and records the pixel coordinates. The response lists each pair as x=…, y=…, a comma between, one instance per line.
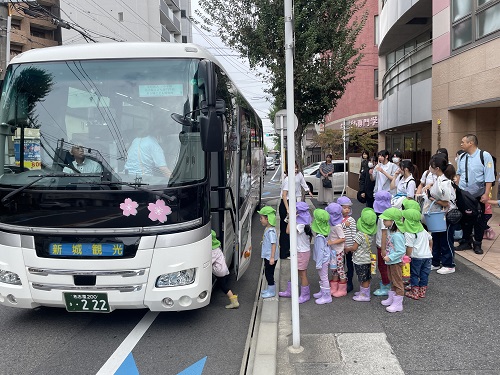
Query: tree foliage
x=325, y=54
x=331, y=141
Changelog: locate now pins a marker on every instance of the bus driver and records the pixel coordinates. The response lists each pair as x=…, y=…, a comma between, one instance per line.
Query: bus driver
x=81, y=163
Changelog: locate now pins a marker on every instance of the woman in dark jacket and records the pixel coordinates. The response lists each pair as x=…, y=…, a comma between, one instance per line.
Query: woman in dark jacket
x=366, y=185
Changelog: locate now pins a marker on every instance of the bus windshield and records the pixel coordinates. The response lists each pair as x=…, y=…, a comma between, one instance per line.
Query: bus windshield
x=108, y=116
x=67, y=127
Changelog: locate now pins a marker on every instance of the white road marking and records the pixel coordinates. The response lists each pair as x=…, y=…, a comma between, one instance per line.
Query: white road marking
x=125, y=348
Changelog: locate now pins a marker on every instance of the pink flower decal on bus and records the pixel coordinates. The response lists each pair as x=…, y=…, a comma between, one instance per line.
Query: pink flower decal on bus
x=129, y=207
x=159, y=211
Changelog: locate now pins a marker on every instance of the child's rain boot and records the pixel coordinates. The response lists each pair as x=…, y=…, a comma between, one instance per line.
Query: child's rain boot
x=326, y=297
x=363, y=296
x=341, y=291
x=388, y=301
x=233, y=302
x=305, y=294
x=320, y=293
x=397, y=304
x=422, y=291
x=414, y=293
x=383, y=290
x=334, y=286
x=288, y=292
x=270, y=292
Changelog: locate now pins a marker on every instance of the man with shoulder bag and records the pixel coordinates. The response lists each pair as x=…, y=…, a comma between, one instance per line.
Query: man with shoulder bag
x=475, y=174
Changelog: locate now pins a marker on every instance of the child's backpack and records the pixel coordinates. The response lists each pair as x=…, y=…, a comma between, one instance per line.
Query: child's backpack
x=467, y=204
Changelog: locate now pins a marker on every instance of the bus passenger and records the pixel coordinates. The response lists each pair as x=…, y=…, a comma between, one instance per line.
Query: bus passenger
x=145, y=156
x=82, y=164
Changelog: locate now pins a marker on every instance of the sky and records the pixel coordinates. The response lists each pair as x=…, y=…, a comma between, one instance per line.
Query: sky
x=249, y=84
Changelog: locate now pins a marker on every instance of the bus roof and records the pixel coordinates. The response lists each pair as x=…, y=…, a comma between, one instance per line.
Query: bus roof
x=113, y=51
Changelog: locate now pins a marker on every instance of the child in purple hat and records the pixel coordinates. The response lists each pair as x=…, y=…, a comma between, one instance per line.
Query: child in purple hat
x=336, y=241
x=304, y=235
x=382, y=203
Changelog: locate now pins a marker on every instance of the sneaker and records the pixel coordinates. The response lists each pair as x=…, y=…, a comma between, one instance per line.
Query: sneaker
x=445, y=270
x=464, y=246
x=433, y=268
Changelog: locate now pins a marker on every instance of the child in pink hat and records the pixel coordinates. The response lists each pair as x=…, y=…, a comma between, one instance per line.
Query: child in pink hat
x=336, y=241
x=304, y=235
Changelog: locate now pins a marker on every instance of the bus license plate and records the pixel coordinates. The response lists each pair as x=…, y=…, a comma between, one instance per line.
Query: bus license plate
x=86, y=302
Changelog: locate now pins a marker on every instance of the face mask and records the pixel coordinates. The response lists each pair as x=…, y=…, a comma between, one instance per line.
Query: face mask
x=395, y=159
x=370, y=164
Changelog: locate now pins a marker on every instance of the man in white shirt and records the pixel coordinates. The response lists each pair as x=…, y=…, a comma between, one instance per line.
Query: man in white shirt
x=81, y=163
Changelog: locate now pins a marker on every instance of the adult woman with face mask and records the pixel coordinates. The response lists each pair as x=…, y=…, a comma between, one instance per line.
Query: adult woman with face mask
x=444, y=196
x=366, y=185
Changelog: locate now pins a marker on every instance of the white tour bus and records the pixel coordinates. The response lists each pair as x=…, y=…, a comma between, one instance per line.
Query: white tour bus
x=118, y=159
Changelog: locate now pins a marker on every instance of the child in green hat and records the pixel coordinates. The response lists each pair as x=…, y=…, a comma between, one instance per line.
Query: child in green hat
x=269, y=248
x=410, y=203
x=367, y=227
x=418, y=247
x=395, y=250
x=321, y=254
x=221, y=272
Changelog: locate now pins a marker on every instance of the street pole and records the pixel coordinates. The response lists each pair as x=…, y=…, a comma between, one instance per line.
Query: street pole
x=292, y=217
x=343, y=160
x=282, y=150
x=7, y=40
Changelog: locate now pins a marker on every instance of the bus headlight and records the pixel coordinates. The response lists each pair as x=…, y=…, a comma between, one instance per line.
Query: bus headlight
x=8, y=277
x=179, y=278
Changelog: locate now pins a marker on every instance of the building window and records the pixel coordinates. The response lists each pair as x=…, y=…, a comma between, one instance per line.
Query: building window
x=375, y=79
x=120, y=16
x=183, y=13
x=473, y=20
x=37, y=33
x=376, y=28
x=184, y=39
x=15, y=24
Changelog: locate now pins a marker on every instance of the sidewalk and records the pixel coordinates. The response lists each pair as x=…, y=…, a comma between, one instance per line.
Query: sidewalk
x=453, y=330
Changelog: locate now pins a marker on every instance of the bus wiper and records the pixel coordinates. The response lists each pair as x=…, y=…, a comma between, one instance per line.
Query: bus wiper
x=40, y=177
x=134, y=185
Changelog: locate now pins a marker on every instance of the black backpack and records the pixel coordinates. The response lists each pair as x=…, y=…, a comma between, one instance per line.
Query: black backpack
x=467, y=204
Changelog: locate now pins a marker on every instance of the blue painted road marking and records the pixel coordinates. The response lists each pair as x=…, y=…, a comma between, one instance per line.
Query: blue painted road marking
x=128, y=367
x=195, y=369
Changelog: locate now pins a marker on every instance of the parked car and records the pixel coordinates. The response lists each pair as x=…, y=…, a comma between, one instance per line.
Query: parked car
x=338, y=176
x=270, y=163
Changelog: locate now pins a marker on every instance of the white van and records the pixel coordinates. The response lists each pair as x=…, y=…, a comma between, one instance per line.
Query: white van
x=338, y=176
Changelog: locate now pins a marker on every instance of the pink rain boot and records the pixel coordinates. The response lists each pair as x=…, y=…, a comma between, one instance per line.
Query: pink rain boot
x=388, y=301
x=341, y=291
x=397, y=304
x=288, y=292
x=334, y=286
x=305, y=294
x=363, y=296
x=326, y=298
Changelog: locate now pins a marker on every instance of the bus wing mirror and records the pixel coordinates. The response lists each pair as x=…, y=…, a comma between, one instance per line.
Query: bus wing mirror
x=211, y=132
x=207, y=81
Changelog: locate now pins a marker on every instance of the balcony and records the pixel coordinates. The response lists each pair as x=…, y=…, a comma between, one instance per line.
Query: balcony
x=168, y=19
x=173, y=4
x=165, y=35
x=407, y=89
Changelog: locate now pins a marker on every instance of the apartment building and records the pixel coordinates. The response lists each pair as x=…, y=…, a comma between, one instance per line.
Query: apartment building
x=28, y=29
x=439, y=63
x=128, y=20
